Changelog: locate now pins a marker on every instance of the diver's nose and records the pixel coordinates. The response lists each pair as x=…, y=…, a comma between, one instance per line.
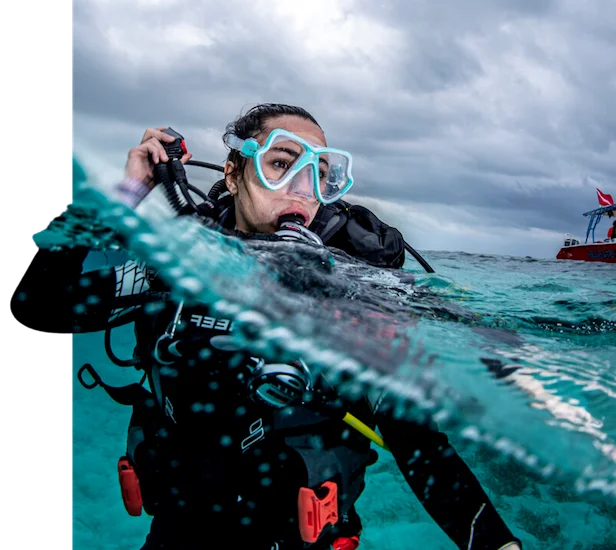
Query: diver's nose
x=302, y=184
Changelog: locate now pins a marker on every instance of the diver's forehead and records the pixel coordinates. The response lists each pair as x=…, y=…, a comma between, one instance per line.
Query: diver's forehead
x=299, y=126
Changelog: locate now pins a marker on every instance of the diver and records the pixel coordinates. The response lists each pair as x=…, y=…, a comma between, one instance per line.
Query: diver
x=224, y=447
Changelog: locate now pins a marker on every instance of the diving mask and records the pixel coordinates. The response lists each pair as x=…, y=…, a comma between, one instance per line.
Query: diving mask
x=308, y=169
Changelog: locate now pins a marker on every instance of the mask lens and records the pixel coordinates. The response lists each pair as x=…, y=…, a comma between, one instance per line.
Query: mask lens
x=280, y=159
x=333, y=175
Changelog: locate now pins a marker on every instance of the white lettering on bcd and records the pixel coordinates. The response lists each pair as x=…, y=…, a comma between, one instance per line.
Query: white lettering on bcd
x=256, y=433
x=211, y=322
x=169, y=409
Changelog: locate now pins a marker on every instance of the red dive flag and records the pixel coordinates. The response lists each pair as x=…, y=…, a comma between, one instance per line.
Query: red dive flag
x=604, y=200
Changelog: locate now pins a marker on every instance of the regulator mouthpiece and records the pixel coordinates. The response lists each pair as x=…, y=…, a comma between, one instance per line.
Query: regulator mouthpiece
x=291, y=228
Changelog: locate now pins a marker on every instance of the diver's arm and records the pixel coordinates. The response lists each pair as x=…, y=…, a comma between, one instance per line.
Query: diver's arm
x=49, y=290
x=55, y=296
x=445, y=485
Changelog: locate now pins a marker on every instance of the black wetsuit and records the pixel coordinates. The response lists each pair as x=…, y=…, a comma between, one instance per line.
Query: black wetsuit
x=195, y=449
x=198, y=452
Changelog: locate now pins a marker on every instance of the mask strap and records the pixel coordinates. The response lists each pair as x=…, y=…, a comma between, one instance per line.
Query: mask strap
x=247, y=148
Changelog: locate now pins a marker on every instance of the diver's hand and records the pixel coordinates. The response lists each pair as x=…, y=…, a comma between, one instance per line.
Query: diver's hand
x=141, y=159
x=139, y=171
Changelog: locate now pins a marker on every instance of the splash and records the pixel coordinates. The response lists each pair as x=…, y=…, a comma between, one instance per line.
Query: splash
x=366, y=329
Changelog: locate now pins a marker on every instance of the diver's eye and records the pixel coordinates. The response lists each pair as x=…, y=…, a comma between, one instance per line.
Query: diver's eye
x=281, y=164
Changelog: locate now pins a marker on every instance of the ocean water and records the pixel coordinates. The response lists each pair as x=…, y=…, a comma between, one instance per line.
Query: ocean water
x=515, y=357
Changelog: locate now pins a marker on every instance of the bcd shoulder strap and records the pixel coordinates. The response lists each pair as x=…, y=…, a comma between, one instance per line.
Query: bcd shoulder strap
x=358, y=232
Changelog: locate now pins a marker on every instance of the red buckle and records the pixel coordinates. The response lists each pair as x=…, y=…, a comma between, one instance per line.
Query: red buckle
x=129, y=484
x=346, y=543
x=183, y=146
x=316, y=513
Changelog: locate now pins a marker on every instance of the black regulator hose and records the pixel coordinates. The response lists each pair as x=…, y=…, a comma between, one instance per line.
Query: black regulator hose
x=418, y=257
x=162, y=177
x=166, y=174
x=205, y=165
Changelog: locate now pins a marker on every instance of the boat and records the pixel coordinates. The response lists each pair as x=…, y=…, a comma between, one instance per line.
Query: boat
x=591, y=250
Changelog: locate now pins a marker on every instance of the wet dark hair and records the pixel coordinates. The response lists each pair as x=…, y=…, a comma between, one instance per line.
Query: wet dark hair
x=253, y=123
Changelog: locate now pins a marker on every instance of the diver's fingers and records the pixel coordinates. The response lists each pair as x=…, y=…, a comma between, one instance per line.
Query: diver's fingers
x=186, y=158
x=152, y=147
x=158, y=133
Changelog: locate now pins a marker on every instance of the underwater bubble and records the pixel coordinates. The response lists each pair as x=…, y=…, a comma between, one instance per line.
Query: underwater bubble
x=252, y=317
x=298, y=346
x=531, y=460
x=227, y=308
x=130, y=222
x=317, y=442
x=286, y=411
x=448, y=452
x=154, y=307
x=226, y=440
x=354, y=389
x=246, y=521
x=547, y=470
x=414, y=458
x=176, y=272
x=190, y=284
x=370, y=377
x=162, y=257
x=266, y=481
x=196, y=407
x=209, y=408
x=169, y=371
x=279, y=334
x=441, y=416
x=502, y=445
x=264, y=467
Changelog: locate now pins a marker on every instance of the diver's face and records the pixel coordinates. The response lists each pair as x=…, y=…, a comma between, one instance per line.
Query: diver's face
x=257, y=209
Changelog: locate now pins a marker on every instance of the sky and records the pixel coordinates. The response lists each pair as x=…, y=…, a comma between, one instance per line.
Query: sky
x=481, y=126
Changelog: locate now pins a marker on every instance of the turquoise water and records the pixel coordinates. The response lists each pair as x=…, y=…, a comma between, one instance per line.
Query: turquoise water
x=541, y=439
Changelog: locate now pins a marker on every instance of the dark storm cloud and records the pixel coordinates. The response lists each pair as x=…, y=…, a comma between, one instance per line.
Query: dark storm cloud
x=506, y=107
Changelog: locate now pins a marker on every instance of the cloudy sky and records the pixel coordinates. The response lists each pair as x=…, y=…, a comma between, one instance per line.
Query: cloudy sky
x=482, y=125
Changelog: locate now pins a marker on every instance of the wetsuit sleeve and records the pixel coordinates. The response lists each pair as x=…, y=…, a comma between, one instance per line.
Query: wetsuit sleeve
x=55, y=296
x=444, y=484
